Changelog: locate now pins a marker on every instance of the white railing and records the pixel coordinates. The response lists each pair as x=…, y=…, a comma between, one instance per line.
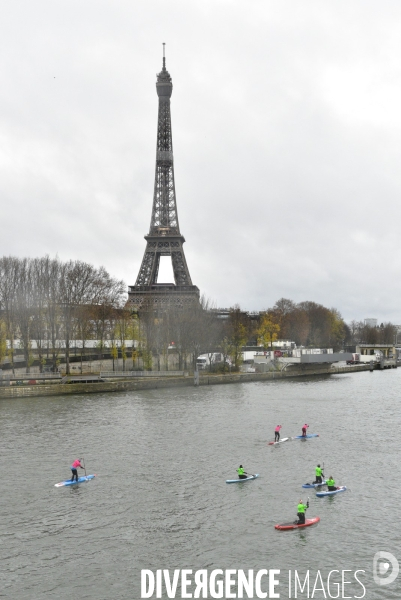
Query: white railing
x=115, y=374
x=21, y=376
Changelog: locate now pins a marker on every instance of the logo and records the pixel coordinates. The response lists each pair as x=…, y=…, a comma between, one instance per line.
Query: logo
x=381, y=565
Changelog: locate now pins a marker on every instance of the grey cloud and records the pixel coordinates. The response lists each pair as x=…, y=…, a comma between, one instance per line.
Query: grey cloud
x=286, y=132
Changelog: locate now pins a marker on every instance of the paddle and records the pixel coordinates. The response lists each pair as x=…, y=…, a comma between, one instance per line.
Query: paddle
x=84, y=465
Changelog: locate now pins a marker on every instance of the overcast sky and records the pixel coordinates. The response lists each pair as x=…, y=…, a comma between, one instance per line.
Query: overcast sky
x=286, y=120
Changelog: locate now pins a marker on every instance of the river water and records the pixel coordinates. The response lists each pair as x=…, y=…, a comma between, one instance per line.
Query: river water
x=160, y=500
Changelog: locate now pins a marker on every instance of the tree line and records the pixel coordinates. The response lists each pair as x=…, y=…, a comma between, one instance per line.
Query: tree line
x=361, y=333
x=46, y=299
x=52, y=303
x=204, y=329
x=312, y=325
x=308, y=324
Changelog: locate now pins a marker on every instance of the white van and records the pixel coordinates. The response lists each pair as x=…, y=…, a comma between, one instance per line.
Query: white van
x=205, y=360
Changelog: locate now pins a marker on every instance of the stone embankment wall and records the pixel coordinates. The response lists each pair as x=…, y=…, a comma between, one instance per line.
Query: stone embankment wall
x=166, y=382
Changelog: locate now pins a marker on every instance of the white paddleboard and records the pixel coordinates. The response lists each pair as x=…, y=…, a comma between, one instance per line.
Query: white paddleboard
x=279, y=442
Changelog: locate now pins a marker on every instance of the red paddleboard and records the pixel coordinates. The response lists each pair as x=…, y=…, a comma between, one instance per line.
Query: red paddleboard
x=288, y=526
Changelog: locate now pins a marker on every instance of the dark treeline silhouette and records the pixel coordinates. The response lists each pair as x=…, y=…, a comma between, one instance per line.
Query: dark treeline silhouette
x=361, y=333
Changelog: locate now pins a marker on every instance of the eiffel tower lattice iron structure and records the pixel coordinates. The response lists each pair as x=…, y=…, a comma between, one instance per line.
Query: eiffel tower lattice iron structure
x=164, y=237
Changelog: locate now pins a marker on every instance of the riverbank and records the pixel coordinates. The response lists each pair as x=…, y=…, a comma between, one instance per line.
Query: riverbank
x=153, y=383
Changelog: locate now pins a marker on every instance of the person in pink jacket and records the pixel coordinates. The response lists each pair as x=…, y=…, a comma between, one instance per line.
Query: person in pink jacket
x=304, y=428
x=277, y=433
x=76, y=465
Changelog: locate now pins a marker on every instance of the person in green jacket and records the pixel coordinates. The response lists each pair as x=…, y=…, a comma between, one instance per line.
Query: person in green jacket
x=319, y=474
x=331, y=484
x=241, y=473
x=301, y=512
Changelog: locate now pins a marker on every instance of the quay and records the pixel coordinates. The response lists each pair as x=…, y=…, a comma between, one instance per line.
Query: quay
x=121, y=384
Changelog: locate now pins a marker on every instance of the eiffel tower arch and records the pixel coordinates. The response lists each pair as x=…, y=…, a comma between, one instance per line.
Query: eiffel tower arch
x=164, y=237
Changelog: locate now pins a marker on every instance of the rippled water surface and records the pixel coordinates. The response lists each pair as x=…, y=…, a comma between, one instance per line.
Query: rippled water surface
x=160, y=500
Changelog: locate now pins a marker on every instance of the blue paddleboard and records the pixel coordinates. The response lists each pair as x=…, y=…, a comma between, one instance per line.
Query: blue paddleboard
x=239, y=480
x=69, y=482
x=314, y=485
x=302, y=437
x=340, y=489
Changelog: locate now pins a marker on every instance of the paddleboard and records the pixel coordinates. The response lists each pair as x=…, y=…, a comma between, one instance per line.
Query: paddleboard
x=314, y=485
x=289, y=526
x=69, y=482
x=328, y=493
x=241, y=480
x=303, y=437
x=279, y=442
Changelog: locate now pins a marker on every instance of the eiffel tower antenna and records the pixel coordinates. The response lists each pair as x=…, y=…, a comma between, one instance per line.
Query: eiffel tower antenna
x=164, y=237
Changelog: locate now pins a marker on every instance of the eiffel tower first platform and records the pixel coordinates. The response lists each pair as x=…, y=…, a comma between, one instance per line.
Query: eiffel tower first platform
x=164, y=237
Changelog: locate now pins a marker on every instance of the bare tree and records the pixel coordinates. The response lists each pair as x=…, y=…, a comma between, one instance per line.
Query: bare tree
x=146, y=335
x=387, y=333
x=207, y=330
x=8, y=284
x=3, y=340
x=40, y=280
x=82, y=284
x=51, y=289
x=237, y=334
x=128, y=329
x=24, y=303
x=85, y=327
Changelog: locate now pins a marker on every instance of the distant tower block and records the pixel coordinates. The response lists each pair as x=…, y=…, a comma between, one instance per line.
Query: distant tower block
x=164, y=237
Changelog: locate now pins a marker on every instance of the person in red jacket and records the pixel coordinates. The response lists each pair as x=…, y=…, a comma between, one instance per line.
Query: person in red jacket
x=76, y=465
x=304, y=428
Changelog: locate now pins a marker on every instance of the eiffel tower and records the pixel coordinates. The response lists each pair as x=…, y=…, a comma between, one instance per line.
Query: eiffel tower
x=164, y=237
